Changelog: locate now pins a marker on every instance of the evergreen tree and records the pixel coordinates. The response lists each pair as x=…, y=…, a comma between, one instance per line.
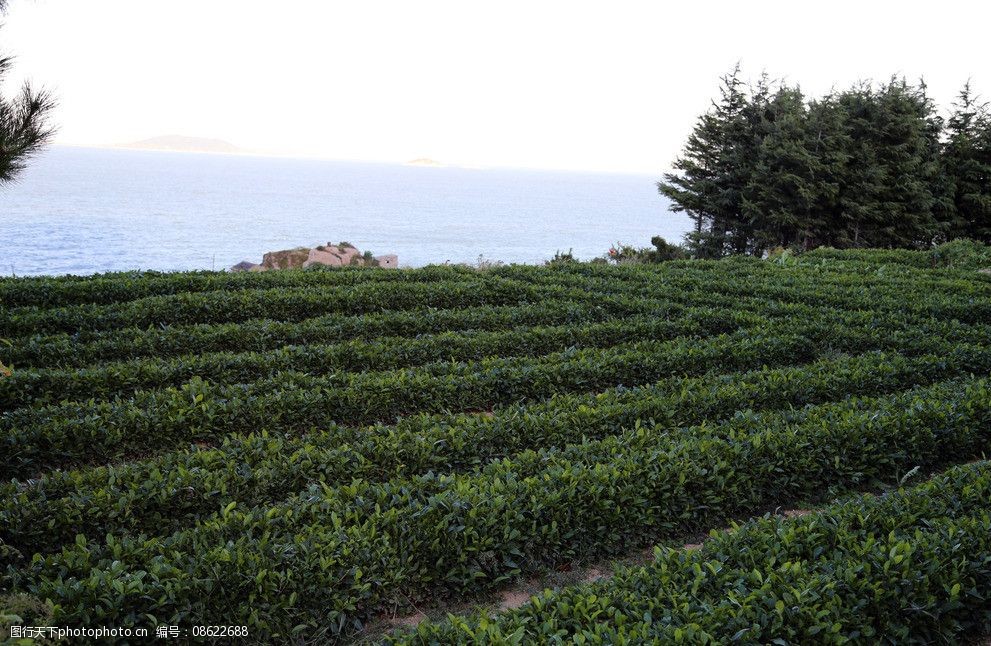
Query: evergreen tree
x=713, y=173
x=967, y=164
x=23, y=126
x=863, y=167
x=780, y=192
x=891, y=188
x=829, y=144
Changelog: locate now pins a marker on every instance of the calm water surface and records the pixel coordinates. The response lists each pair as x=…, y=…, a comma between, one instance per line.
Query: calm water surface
x=83, y=210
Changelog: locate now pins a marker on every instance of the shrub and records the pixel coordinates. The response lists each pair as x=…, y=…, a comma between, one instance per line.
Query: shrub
x=663, y=251
x=962, y=254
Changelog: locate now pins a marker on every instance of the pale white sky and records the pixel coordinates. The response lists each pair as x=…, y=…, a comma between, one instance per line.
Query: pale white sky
x=608, y=85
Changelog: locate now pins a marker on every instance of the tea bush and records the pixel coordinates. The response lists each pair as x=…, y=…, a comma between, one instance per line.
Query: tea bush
x=301, y=452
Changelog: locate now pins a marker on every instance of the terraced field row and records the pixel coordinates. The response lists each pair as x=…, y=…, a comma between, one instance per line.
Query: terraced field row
x=915, y=573
x=298, y=451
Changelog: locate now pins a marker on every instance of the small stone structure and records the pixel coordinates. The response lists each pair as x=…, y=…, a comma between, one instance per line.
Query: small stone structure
x=389, y=260
x=344, y=254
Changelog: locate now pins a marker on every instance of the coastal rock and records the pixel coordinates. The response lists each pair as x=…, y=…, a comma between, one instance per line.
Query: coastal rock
x=321, y=256
x=343, y=254
x=285, y=259
x=345, y=251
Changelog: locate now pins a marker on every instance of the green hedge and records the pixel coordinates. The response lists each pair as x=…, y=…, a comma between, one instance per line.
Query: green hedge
x=105, y=289
x=298, y=303
x=73, y=433
x=161, y=495
x=284, y=304
x=967, y=300
x=258, y=335
x=39, y=387
x=333, y=555
x=912, y=566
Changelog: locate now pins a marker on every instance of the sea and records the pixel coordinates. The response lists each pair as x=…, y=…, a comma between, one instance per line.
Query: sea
x=94, y=210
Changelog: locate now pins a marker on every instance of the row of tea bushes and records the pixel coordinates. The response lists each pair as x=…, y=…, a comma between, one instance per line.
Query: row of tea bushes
x=42, y=386
x=624, y=294
x=907, y=567
x=869, y=275
x=300, y=302
x=259, y=335
x=104, y=289
x=37, y=439
x=972, y=304
x=289, y=304
x=332, y=556
x=94, y=346
x=163, y=494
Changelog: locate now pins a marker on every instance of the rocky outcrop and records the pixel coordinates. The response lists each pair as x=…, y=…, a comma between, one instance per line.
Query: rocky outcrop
x=244, y=265
x=343, y=254
x=286, y=259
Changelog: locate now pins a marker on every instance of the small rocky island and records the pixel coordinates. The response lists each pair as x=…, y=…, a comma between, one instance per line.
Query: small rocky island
x=343, y=254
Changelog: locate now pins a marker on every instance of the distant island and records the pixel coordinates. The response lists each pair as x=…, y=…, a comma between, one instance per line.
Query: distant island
x=179, y=143
x=425, y=161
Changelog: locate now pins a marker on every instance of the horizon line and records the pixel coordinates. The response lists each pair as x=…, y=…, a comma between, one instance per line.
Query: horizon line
x=242, y=152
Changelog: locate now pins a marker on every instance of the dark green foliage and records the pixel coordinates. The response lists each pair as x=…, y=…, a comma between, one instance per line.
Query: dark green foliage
x=890, y=185
x=862, y=167
x=713, y=172
x=663, y=251
x=782, y=188
x=562, y=258
x=24, y=127
x=956, y=254
x=342, y=550
x=301, y=452
x=967, y=163
x=138, y=497
x=907, y=567
x=963, y=254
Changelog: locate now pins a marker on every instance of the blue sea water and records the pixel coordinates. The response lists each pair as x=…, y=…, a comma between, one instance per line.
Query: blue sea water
x=86, y=210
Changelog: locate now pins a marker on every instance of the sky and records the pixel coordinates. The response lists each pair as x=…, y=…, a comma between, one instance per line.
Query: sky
x=595, y=86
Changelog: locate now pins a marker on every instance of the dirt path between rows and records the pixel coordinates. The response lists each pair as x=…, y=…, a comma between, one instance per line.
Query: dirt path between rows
x=519, y=593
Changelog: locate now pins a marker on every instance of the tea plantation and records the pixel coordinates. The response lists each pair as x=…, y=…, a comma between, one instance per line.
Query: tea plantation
x=304, y=452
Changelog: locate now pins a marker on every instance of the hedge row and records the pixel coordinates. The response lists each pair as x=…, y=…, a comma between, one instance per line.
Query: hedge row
x=48, y=385
x=285, y=303
x=833, y=274
x=855, y=292
x=836, y=273
x=120, y=287
x=164, y=494
x=75, y=433
x=59, y=291
x=332, y=556
x=258, y=335
x=911, y=566
x=302, y=302
x=90, y=345
x=70, y=434
x=35, y=387
x=104, y=289
x=290, y=304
